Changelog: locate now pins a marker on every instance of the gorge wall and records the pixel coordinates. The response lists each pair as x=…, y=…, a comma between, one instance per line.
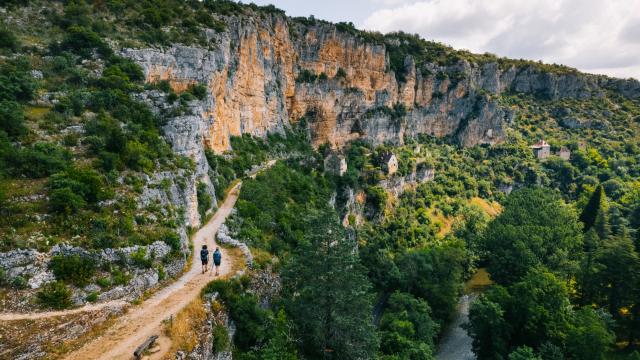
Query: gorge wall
x=251, y=68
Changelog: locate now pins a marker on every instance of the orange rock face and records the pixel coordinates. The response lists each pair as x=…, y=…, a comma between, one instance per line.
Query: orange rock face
x=251, y=77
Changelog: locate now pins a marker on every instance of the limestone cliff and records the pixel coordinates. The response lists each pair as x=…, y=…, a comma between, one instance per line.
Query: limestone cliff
x=251, y=71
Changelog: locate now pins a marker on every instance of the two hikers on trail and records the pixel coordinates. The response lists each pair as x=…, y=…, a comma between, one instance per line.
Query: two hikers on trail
x=204, y=257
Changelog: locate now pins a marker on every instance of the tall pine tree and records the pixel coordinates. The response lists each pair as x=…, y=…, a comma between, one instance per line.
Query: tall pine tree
x=595, y=211
x=327, y=293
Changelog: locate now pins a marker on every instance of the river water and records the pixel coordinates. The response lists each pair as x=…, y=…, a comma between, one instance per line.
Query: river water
x=455, y=344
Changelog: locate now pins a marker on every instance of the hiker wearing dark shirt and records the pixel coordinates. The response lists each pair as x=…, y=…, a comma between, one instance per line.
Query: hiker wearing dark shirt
x=204, y=257
x=217, y=259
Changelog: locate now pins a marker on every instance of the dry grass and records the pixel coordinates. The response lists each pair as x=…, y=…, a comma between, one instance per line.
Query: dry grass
x=444, y=223
x=235, y=256
x=185, y=327
x=491, y=208
x=479, y=281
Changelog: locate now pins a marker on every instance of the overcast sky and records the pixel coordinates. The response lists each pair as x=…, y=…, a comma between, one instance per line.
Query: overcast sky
x=597, y=36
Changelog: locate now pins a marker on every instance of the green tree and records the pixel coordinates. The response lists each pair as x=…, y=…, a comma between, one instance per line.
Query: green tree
x=596, y=206
x=73, y=268
x=588, y=287
x=434, y=275
x=536, y=228
x=327, y=292
x=406, y=328
x=619, y=279
x=524, y=353
x=532, y=312
x=487, y=324
x=12, y=118
x=588, y=337
x=56, y=295
x=8, y=39
x=204, y=200
x=65, y=201
x=281, y=345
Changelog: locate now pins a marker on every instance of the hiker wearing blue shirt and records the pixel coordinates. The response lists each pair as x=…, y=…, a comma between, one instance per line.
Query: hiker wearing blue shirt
x=204, y=257
x=217, y=259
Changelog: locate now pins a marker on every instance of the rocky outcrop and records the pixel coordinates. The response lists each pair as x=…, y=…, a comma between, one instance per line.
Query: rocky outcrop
x=396, y=185
x=224, y=237
x=250, y=71
x=33, y=266
x=177, y=188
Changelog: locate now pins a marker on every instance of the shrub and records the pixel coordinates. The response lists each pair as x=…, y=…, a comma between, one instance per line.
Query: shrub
x=119, y=277
x=73, y=268
x=104, y=282
x=198, y=90
x=8, y=40
x=19, y=282
x=83, y=182
x=64, y=201
x=12, y=118
x=16, y=82
x=306, y=76
x=220, y=338
x=40, y=160
x=341, y=74
x=92, y=297
x=204, y=200
x=82, y=41
x=376, y=198
x=56, y=295
x=172, y=239
x=140, y=259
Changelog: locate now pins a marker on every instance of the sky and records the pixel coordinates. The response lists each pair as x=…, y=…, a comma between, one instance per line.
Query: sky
x=595, y=36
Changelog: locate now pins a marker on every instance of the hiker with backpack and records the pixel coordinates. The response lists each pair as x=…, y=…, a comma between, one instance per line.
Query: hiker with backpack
x=204, y=257
x=217, y=259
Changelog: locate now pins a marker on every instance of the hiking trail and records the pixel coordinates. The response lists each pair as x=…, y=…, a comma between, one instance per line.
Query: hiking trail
x=146, y=319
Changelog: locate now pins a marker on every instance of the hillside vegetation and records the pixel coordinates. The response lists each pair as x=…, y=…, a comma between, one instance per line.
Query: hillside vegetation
x=363, y=267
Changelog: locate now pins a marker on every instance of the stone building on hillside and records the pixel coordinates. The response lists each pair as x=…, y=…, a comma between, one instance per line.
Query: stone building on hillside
x=564, y=153
x=335, y=164
x=541, y=149
x=389, y=163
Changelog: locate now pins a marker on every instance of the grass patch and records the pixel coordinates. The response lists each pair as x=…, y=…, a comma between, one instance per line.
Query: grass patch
x=492, y=208
x=184, y=328
x=478, y=282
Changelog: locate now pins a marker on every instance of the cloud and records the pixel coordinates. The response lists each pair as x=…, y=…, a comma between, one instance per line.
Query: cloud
x=592, y=35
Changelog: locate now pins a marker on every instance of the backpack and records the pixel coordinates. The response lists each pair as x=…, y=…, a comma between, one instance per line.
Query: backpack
x=217, y=257
x=204, y=254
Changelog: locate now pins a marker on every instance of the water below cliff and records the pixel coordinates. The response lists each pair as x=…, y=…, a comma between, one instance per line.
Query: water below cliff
x=455, y=343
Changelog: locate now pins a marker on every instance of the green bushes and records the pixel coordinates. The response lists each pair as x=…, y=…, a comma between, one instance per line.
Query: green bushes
x=376, y=198
x=65, y=202
x=12, y=119
x=140, y=259
x=37, y=161
x=8, y=39
x=307, y=76
x=204, y=199
x=82, y=42
x=16, y=82
x=73, y=268
x=199, y=91
x=56, y=295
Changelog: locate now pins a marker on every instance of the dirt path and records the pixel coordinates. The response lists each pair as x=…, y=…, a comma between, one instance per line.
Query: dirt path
x=145, y=320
